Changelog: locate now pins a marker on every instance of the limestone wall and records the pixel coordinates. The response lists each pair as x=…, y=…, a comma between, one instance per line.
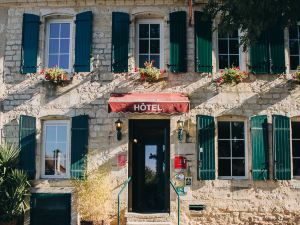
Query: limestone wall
x=228, y=202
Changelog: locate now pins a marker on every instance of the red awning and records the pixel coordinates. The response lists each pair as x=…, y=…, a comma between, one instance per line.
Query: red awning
x=149, y=103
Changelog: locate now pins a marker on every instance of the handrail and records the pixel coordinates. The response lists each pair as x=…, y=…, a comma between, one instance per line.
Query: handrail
x=120, y=192
x=178, y=201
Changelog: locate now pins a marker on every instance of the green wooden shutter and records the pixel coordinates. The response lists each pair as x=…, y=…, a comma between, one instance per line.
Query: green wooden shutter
x=30, y=43
x=83, y=41
x=79, y=145
x=277, y=50
x=203, y=43
x=260, y=55
x=27, y=144
x=281, y=147
x=206, y=147
x=178, y=42
x=260, y=146
x=120, y=42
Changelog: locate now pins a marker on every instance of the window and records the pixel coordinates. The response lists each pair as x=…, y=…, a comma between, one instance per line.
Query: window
x=56, y=147
x=296, y=148
x=59, y=44
x=228, y=53
x=149, y=42
x=231, y=149
x=294, y=40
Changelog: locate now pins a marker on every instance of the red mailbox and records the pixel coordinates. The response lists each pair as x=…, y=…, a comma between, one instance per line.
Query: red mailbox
x=180, y=162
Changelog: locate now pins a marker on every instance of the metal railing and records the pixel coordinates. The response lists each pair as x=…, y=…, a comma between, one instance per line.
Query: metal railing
x=178, y=202
x=120, y=192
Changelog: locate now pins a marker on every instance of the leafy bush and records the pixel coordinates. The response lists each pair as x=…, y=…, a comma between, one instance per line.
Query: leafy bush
x=231, y=75
x=14, y=185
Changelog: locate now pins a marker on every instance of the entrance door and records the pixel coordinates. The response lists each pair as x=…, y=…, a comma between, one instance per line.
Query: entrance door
x=150, y=153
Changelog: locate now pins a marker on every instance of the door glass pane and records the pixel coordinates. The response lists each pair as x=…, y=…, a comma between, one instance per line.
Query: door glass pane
x=224, y=167
x=223, y=130
x=50, y=147
x=144, y=30
x=150, y=163
x=49, y=166
x=224, y=148
x=237, y=130
x=154, y=31
x=238, y=148
x=62, y=133
x=238, y=167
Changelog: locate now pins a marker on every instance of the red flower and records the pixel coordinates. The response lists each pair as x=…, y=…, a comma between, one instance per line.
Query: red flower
x=136, y=69
x=162, y=71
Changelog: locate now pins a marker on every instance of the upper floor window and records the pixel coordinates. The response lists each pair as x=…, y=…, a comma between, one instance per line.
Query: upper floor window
x=231, y=149
x=56, y=149
x=228, y=50
x=150, y=42
x=59, y=38
x=296, y=148
x=294, y=40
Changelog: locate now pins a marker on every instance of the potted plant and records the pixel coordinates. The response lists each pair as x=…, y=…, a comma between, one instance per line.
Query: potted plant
x=150, y=73
x=55, y=75
x=231, y=75
x=14, y=186
x=296, y=75
x=93, y=196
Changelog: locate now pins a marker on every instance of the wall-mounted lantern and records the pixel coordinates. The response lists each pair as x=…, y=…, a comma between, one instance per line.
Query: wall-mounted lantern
x=180, y=125
x=119, y=126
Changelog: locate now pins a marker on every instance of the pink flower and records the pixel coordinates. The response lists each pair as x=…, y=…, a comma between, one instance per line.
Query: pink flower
x=136, y=69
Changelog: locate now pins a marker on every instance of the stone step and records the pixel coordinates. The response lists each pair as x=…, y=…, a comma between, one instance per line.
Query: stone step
x=151, y=218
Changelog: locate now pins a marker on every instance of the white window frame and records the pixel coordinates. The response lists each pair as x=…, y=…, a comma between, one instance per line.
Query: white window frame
x=245, y=149
x=70, y=21
x=292, y=161
x=68, y=153
x=161, y=41
x=242, y=54
x=288, y=49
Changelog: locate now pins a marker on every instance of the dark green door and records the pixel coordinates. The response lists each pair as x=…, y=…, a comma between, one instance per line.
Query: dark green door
x=150, y=165
x=50, y=209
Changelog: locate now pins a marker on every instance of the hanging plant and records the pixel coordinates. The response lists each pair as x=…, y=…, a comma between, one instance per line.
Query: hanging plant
x=231, y=75
x=55, y=75
x=149, y=73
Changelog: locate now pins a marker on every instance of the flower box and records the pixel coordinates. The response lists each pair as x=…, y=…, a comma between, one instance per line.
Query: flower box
x=56, y=76
x=231, y=75
x=150, y=73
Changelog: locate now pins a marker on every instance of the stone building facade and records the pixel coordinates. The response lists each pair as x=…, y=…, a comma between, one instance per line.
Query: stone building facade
x=229, y=199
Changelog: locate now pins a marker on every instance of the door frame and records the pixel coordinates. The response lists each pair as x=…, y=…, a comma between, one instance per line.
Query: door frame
x=131, y=124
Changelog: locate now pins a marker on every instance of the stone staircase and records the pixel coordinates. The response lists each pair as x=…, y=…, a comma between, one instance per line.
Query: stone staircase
x=148, y=219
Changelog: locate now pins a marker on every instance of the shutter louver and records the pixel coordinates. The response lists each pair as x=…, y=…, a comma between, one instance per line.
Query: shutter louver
x=203, y=43
x=79, y=146
x=260, y=154
x=27, y=144
x=83, y=41
x=277, y=50
x=178, y=42
x=281, y=147
x=206, y=147
x=30, y=43
x=120, y=42
x=260, y=56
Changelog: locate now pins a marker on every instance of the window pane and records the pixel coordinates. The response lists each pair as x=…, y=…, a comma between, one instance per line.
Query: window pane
x=296, y=148
x=142, y=60
x=296, y=167
x=62, y=148
x=224, y=167
x=223, y=61
x=60, y=166
x=224, y=148
x=223, y=130
x=64, y=61
x=154, y=31
x=154, y=46
x=64, y=46
x=144, y=30
x=294, y=47
x=296, y=130
x=156, y=61
x=237, y=130
x=234, y=46
x=294, y=62
x=53, y=60
x=65, y=30
x=53, y=45
x=50, y=133
x=62, y=133
x=235, y=34
x=238, y=149
x=293, y=32
x=238, y=167
x=222, y=34
x=49, y=167
x=144, y=46
x=54, y=30
x=234, y=60
x=223, y=46
x=49, y=151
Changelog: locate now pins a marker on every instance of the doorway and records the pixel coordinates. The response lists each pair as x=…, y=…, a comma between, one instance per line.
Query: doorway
x=149, y=164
